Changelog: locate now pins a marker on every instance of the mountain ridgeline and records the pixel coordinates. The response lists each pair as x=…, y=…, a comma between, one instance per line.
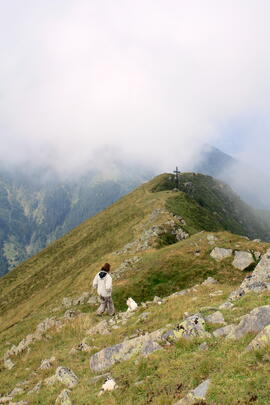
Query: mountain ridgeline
x=211, y=205
x=171, y=250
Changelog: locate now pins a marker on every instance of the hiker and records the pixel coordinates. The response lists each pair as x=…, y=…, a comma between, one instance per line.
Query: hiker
x=103, y=283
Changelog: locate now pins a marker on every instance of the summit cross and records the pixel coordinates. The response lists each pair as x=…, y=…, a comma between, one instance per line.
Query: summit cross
x=177, y=172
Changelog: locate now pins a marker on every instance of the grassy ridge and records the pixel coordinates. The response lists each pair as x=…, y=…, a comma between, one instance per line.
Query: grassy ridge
x=211, y=205
x=66, y=268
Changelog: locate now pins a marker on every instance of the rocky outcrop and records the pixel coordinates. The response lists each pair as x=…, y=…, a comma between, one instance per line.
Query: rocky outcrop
x=211, y=239
x=41, y=329
x=226, y=305
x=242, y=260
x=127, y=265
x=224, y=331
x=258, y=281
x=8, y=363
x=216, y=317
x=142, y=345
x=220, y=254
x=196, y=396
x=47, y=363
x=261, y=340
x=81, y=347
x=85, y=298
x=71, y=314
x=101, y=328
x=36, y=388
x=66, y=376
x=209, y=281
x=63, y=398
x=165, y=223
x=253, y=322
x=193, y=326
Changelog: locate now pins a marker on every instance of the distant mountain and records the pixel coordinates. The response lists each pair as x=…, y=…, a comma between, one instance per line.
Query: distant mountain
x=252, y=185
x=37, y=206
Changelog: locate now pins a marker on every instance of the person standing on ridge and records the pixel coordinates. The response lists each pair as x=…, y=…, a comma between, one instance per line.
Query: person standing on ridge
x=103, y=283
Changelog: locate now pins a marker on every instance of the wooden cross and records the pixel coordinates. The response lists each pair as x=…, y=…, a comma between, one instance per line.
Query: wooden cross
x=177, y=172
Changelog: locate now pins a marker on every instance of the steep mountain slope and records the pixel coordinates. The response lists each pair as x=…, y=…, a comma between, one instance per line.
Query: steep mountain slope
x=37, y=207
x=206, y=204
x=144, y=236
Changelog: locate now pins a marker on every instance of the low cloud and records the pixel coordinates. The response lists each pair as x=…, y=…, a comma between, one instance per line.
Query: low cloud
x=149, y=80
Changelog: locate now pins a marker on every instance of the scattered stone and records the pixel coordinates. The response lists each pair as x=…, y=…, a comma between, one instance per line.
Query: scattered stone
x=216, y=293
x=211, y=239
x=109, y=385
x=149, y=347
x=63, y=398
x=158, y=300
x=261, y=340
x=36, y=388
x=220, y=254
x=142, y=345
x=101, y=328
x=209, y=281
x=177, y=293
x=18, y=403
x=71, y=314
x=255, y=321
x=81, y=347
x=132, y=305
x=47, y=324
x=242, y=260
x=195, y=396
x=50, y=380
x=216, y=317
x=226, y=305
x=204, y=346
x=193, y=326
x=66, y=377
x=16, y=391
x=258, y=281
x=224, y=331
x=8, y=363
x=144, y=315
x=67, y=302
x=256, y=240
x=47, y=363
x=127, y=265
x=5, y=400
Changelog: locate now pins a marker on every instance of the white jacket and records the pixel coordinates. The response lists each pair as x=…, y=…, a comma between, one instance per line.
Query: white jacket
x=103, y=285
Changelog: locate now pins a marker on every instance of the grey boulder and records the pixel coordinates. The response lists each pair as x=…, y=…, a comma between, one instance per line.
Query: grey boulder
x=195, y=396
x=220, y=254
x=66, y=376
x=142, y=345
x=242, y=260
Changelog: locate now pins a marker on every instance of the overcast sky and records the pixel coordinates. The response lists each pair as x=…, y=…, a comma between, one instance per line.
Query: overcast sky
x=151, y=78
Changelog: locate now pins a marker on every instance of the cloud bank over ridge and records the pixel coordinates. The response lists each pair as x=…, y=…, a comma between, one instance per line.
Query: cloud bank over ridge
x=150, y=79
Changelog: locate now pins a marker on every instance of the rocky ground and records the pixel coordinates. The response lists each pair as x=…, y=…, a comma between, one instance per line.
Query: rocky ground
x=134, y=336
